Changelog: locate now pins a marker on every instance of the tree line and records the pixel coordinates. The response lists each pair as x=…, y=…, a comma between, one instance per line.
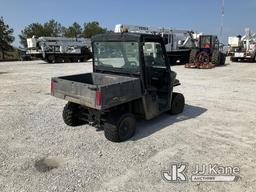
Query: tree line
x=51, y=28
x=6, y=38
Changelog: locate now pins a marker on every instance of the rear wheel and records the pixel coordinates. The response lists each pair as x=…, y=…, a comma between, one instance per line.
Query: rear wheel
x=223, y=59
x=119, y=128
x=70, y=114
x=74, y=59
x=253, y=59
x=233, y=59
x=50, y=59
x=216, y=57
x=178, y=103
x=67, y=60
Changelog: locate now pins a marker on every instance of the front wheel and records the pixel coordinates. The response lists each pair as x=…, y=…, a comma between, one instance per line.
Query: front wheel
x=119, y=128
x=216, y=57
x=178, y=103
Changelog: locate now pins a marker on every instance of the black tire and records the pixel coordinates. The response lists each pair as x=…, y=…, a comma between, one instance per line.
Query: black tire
x=85, y=58
x=120, y=128
x=70, y=114
x=192, y=55
x=74, y=59
x=223, y=59
x=50, y=59
x=253, y=59
x=233, y=59
x=216, y=57
x=67, y=60
x=178, y=103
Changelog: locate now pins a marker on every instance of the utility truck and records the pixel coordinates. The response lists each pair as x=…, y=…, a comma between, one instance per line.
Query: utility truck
x=129, y=80
x=59, y=49
x=243, y=48
x=178, y=42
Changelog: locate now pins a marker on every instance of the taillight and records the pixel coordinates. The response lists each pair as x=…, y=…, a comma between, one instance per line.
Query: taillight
x=52, y=87
x=98, y=98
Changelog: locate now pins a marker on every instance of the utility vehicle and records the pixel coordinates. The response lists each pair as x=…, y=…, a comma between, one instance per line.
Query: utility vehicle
x=131, y=79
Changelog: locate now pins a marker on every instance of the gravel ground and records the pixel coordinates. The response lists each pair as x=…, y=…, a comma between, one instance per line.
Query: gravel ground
x=40, y=153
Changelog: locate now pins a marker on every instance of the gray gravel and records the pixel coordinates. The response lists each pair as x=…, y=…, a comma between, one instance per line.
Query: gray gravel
x=40, y=153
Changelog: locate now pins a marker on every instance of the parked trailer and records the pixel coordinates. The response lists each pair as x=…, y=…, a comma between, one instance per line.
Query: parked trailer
x=243, y=48
x=59, y=49
x=178, y=42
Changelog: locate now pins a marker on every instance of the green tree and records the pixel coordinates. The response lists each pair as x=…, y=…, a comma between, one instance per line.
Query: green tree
x=51, y=28
x=75, y=30
x=36, y=29
x=6, y=38
x=92, y=28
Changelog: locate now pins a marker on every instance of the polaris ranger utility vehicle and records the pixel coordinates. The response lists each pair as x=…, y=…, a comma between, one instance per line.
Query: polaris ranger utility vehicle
x=131, y=78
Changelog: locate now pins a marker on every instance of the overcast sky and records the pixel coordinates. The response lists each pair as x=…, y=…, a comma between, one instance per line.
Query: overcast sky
x=199, y=15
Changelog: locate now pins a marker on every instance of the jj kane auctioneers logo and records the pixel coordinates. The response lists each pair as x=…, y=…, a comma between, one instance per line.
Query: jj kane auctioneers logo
x=178, y=172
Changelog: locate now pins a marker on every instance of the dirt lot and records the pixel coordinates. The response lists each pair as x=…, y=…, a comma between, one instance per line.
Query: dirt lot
x=217, y=127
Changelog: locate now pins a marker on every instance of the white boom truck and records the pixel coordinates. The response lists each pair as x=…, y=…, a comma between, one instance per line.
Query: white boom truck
x=178, y=42
x=243, y=48
x=59, y=49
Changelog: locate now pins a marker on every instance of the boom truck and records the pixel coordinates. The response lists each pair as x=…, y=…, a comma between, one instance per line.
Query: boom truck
x=59, y=49
x=178, y=42
x=243, y=48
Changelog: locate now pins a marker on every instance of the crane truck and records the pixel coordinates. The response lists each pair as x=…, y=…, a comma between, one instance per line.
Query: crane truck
x=178, y=42
x=59, y=49
x=243, y=48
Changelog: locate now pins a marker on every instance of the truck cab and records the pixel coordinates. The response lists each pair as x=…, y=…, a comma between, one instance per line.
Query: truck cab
x=131, y=78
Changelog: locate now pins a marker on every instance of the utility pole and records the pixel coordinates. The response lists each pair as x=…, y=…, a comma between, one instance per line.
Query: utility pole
x=222, y=20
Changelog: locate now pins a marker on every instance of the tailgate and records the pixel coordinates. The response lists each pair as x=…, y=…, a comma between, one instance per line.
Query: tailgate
x=97, y=91
x=76, y=92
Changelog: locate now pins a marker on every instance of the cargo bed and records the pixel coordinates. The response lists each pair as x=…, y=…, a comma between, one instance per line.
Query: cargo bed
x=96, y=90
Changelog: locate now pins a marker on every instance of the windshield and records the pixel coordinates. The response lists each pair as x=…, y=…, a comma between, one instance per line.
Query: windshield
x=205, y=42
x=116, y=56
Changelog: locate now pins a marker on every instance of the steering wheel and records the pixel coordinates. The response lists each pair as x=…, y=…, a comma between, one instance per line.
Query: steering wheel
x=132, y=63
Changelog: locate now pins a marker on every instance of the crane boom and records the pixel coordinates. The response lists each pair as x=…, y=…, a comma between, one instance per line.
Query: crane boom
x=152, y=30
x=178, y=42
